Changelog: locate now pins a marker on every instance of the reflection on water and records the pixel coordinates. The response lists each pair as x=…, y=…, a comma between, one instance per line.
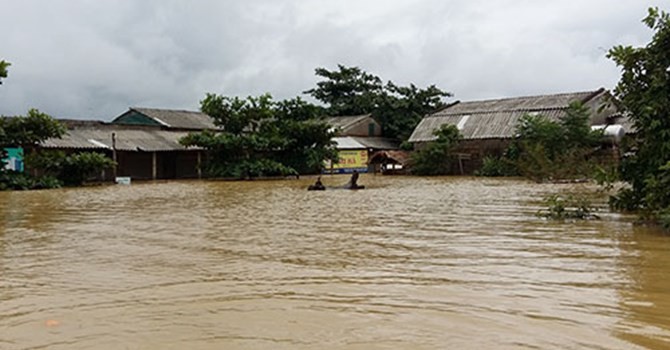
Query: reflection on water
x=406, y=263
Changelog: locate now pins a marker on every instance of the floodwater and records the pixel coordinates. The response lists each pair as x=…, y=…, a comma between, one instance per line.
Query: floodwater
x=408, y=263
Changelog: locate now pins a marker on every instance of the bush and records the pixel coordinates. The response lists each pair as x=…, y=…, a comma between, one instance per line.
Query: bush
x=496, y=166
x=78, y=167
x=71, y=170
x=567, y=207
x=435, y=158
x=549, y=150
x=625, y=200
x=12, y=180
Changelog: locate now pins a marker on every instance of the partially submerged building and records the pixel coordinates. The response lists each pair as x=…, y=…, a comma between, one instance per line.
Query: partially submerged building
x=141, y=152
x=356, y=152
x=144, y=142
x=357, y=139
x=488, y=126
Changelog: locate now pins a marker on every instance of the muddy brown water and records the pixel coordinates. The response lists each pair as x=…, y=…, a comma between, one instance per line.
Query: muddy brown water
x=408, y=263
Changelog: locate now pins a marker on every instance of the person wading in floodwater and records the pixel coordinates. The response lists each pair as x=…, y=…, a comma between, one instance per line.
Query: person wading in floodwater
x=353, y=182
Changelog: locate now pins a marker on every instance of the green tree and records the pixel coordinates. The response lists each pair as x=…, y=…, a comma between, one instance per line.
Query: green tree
x=260, y=137
x=26, y=131
x=307, y=139
x=435, y=158
x=576, y=125
x=58, y=168
x=644, y=90
x=3, y=69
x=549, y=150
x=352, y=91
x=29, y=130
x=402, y=108
x=70, y=169
x=348, y=90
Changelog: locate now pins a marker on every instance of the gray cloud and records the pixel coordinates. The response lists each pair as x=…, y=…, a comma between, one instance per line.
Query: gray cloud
x=93, y=59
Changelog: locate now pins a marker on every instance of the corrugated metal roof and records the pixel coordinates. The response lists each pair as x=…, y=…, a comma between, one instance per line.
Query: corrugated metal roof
x=525, y=103
x=150, y=140
x=347, y=142
x=357, y=142
x=496, y=118
x=179, y=119
x=477, y=126
x=377, y=143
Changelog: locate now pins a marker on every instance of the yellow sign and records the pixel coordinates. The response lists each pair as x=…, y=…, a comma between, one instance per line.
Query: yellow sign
x=357, y=159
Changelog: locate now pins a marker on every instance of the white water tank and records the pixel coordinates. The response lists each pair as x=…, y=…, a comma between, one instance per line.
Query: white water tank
x=613, y=133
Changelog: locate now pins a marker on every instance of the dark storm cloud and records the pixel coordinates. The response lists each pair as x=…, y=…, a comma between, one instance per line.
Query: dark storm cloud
x=93, y=59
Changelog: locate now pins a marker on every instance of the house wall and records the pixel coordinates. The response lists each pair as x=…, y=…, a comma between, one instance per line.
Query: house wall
x=169, y=165
x=469, y=154
x=363, y=128
x=136, y=165
x=474, y=151
x=187, y=164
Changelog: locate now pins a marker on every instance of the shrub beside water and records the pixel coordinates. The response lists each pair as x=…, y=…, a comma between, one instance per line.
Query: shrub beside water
x=561, y=207
x=496, y=166
x=12, y=180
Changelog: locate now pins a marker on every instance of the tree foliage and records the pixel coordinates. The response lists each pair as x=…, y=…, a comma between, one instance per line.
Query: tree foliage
x=435, y=158
x=352, y=91
x=549, y=150
x=59, y=168
x=3, y=69
x=348, y=91
x=24, y=131
x=29, y=130
x=644, y=90
x=69, y=169
x=261, y=137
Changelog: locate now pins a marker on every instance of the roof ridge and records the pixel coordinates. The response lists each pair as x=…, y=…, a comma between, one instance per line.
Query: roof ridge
x=443, y=113
x=593, y=92
x=166, y=109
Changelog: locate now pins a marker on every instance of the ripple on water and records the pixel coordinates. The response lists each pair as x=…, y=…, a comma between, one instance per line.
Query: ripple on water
x=406, y=263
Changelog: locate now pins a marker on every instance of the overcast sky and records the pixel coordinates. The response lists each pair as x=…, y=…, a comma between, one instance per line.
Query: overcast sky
x=92, y=59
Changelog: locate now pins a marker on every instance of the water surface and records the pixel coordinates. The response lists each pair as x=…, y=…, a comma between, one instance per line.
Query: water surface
x=409, y=263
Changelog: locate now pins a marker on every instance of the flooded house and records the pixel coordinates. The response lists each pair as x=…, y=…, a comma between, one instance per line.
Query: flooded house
x=141, y=152
x=357, y=140
x=143, y=141
x=488, y=126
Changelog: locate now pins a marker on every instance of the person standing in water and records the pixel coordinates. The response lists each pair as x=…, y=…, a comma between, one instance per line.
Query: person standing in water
x=354, y=179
